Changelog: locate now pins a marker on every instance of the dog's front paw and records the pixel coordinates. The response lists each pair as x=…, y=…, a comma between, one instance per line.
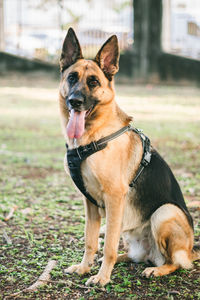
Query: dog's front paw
x=151, y=272
x=98, y=279
x=79, y=269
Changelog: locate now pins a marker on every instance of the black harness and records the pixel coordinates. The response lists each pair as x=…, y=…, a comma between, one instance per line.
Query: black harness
x=77, y=155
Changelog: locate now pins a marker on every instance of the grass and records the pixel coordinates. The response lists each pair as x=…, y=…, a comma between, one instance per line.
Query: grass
x=49, y=220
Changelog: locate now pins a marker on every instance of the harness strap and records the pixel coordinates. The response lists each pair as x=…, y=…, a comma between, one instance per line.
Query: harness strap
x=74, y=160
x=85, y=151
x=113, y=135
x=77, y=155
x=146, y=158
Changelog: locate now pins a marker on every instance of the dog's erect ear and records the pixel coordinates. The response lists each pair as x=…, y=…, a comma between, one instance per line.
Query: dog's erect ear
x=71, y=50
x=108, y=57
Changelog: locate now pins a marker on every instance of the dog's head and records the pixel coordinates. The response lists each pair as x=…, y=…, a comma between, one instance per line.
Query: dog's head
x=86, y=84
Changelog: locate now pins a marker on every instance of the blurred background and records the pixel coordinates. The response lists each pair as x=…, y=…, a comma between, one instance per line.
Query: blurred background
x=37, y=28
x=156, y=38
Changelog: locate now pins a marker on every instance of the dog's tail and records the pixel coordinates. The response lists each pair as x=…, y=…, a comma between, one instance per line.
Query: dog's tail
x=196, y=252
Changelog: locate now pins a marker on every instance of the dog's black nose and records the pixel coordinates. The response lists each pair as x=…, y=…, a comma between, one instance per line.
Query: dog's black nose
x=76, y=100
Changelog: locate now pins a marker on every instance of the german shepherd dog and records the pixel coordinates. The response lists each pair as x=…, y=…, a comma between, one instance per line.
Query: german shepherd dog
x=151, y=216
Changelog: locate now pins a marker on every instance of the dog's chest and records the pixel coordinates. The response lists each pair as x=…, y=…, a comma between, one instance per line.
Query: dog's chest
x=132, y=217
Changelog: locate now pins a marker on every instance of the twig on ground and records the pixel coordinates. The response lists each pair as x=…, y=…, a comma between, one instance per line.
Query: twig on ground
x=43, y=279
x=6, y=237
x=69, y=282
x=11, y=212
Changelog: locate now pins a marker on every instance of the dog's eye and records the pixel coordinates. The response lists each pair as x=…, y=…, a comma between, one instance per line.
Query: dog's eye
x=93, y=83
x=72, y=78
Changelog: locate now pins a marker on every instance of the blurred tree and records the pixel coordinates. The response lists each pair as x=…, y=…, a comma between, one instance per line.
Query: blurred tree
x=62, y=5
x=119, y=6
x=147, y=37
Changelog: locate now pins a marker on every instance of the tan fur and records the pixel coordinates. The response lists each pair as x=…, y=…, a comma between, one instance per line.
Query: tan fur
x=92, y=228
x=166, y=239
x=174, y=238
x=174, y=233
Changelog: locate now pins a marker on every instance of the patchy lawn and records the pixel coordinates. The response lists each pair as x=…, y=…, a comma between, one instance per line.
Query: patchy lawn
x=48, y=222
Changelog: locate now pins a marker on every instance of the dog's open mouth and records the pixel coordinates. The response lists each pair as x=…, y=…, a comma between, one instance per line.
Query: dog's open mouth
x=76, y=124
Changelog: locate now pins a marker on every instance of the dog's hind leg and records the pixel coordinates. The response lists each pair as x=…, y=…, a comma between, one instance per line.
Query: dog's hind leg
x=159, y=271
x=92, y=228
x=173, y=237
x=123, y=258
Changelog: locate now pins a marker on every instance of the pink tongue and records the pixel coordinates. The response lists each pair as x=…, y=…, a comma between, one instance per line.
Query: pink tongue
x=76, y=124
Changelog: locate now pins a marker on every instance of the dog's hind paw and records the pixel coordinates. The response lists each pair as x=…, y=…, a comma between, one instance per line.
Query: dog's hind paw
x=98, y=280
x=79, y=269
x=151, y=272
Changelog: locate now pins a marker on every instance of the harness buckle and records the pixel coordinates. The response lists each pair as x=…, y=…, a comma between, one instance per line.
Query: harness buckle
x=146, y=160
x=140, y=130
x=95, y=146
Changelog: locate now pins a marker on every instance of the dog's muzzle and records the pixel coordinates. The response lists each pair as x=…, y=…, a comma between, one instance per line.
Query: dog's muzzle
x=75, y=100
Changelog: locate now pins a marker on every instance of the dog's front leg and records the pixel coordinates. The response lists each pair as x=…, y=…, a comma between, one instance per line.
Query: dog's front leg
x=114, y=214
x=92, y=227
